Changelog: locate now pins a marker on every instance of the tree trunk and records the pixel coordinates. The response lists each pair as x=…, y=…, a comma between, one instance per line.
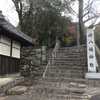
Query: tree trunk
x=81, y=23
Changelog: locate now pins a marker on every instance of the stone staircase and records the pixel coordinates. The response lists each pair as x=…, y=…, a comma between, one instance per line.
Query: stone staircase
x=64, y=78
x=69, y=62
x=55, y=89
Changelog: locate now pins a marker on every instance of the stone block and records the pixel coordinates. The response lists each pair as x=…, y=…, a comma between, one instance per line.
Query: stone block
x=17, y=90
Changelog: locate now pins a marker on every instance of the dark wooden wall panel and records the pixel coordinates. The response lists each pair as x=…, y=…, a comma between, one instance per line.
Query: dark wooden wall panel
x=9, y=65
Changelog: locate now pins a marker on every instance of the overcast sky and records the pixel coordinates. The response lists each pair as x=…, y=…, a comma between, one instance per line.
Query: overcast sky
x=10, y=13
x=96, y=7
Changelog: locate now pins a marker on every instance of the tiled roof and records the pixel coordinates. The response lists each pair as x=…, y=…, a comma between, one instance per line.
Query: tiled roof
x=14, y=32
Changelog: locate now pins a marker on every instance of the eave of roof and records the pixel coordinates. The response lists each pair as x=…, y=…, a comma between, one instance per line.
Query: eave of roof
x=15, y=32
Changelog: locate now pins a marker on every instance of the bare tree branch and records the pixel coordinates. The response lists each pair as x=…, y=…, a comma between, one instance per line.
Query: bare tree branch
x=88, y=8
x=90, y=18
x=89, y=5
x=86, y=14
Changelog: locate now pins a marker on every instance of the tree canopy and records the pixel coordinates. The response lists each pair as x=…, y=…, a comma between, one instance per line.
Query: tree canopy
x=42, y=19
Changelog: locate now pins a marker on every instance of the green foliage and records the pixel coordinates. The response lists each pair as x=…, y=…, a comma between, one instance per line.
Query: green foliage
x=42, y=19
x=97, y=35
x=67, y=40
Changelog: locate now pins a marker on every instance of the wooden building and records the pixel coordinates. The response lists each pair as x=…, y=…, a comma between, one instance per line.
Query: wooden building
x=11, y=41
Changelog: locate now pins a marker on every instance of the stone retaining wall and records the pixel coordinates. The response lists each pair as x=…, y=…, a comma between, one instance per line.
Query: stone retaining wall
x=33, y=61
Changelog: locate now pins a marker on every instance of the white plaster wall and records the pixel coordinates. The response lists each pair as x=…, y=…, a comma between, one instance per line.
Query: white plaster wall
x=16, y=44
x=5, y=44
x=5, y=40
x=16, y=49
x=4, y=49
x=15, y=53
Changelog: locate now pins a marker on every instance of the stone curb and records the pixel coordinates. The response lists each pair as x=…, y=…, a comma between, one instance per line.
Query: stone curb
x=11, y=84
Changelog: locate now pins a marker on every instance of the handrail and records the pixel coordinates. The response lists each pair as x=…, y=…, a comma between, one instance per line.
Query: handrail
x=98, y=53
x=97, y=49
x=53, y=55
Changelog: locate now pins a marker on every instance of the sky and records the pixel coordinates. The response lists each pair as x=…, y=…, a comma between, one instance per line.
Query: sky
x=11, y=15
x=95, y=6
x=9, y=11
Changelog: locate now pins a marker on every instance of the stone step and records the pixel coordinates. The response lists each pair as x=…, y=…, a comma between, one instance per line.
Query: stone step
x=66, y=80
x=88, y=82
x=67, y=66
x=66, y=71
x=69, y=97
x=68, y=54
x=72, y=74
x=62, y=69
x=73, y=48
x=17, y=90
x=60, y=97
x=9, y=85
x=58, y=91
x=69, y=71
x=63, y=77
x=68, y=58
x=67, y=75
x=69, y=62
x=60, y=84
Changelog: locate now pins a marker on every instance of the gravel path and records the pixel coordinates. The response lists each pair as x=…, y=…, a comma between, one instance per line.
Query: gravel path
x=32, y=94
x=96, y=97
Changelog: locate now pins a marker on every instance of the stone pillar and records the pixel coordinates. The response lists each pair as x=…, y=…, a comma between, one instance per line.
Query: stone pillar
x=43, y=53
x=91, y=55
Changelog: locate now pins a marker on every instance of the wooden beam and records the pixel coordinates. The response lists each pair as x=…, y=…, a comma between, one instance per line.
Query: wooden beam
x=11, y=48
